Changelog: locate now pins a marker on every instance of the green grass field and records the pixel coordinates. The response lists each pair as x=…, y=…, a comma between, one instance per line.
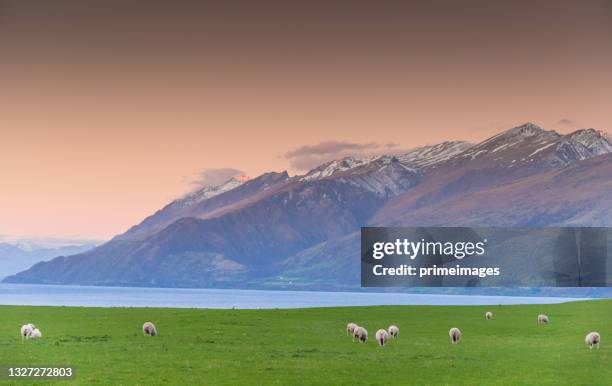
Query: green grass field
x=310, y=346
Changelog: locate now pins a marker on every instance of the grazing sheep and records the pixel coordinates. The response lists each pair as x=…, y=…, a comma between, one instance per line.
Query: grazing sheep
x=381, y=337
x=149, y=329
x=592, y=339
x=350, y=328
x=489, y=315
x=361, y=334
x=455, y=335
x=35, y=334
x=393, y=331
x=542, y=319
x=26, y=330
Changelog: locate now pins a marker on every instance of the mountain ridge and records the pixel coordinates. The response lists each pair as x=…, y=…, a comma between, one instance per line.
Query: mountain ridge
x=275, y=226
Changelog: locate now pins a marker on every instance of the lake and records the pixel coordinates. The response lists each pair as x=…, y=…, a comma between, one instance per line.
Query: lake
x=57, y=295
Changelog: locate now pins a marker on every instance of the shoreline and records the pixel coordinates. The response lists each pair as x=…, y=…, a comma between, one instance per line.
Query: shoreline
x=126, y=297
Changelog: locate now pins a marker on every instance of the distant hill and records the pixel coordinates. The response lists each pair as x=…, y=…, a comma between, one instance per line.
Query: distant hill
x=18, y=256
x=301, y=232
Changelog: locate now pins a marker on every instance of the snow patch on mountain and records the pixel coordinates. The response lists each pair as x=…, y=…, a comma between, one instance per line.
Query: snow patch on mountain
x=426, y=156
x=542, y=149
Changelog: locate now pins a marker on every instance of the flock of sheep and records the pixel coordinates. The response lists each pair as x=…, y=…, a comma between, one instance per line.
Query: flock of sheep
x=29, y=331
x=361, y=334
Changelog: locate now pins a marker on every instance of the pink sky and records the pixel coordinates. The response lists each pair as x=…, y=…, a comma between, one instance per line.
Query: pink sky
x=105, y=116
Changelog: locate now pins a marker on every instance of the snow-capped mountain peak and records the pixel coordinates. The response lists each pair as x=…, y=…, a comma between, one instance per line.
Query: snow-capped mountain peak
x=207, y=192
x=336, y=166
x=516, y=144
x=383, y=175
x=523, y=132
x=597, y=141
x=526, y=130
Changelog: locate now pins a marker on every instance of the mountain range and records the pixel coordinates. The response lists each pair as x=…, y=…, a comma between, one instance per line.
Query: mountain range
x=18, y=255
x=302, y=232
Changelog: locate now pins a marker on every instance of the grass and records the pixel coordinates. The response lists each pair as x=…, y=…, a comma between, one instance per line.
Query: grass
x=310, y=346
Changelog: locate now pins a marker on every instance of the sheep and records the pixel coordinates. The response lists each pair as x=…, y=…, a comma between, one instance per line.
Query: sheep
x=26, y=330
x=393, y=331
x=35, y=334
x=455, y=335
x=592, y=339
x=542, y=319
x=350, y=328
x=381, y=337
x=361, y=334
x=149, y=329
x=489, y=315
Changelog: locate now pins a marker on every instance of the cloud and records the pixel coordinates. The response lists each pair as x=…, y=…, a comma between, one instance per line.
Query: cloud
x=566, y=122
x=213, y=177
x=310, y=156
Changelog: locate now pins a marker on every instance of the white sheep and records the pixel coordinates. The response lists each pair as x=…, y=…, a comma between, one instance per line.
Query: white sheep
x=592, y=339
x=393, y=331
x=35, y=334
x=149, y=329
x=26, y=330
x=542, y=319
x=489, y=315
x=455, y=335
x=381, y=337
x=350, y=329
x=361, y=334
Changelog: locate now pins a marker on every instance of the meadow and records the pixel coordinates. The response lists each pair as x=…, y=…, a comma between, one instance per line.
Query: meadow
x=310, y=346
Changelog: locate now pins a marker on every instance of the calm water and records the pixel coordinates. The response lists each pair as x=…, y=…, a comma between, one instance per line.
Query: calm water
x=52, y=295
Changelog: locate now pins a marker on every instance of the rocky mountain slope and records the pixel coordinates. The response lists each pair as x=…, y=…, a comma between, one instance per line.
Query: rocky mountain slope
x=205, y=200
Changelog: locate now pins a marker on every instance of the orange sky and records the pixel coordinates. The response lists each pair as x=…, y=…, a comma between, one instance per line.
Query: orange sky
x=109, y=111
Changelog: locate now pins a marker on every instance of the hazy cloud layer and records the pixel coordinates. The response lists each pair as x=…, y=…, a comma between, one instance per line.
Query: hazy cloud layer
x=566, y=122
x=310, y=156
x=212, y=177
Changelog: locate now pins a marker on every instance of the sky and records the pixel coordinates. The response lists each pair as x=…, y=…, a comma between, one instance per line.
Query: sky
x=109, y=110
